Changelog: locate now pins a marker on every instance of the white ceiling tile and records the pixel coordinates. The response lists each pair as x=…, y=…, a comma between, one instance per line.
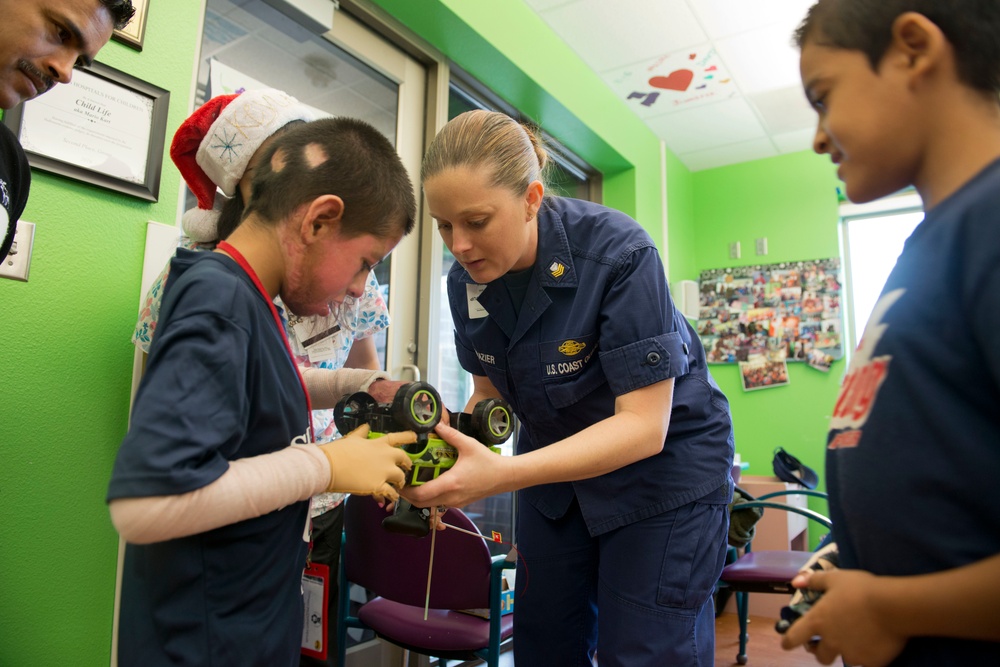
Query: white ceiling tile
x=784, y=110
x=728, y=154
x=709, y=126
x=673, y=82
x=607, y=35
x=762, y=59
x=793, y=142
x=722, y=18
x=718, y=80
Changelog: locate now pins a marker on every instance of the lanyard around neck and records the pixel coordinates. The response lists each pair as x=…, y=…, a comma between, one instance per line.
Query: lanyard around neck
x=245, y=265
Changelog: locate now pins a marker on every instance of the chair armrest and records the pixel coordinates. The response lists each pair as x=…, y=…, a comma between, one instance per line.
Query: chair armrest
x=501, y=563
x=793, y=492
x=808, y=513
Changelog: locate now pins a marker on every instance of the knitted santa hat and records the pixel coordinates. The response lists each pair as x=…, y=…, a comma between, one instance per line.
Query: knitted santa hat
x=213, y=146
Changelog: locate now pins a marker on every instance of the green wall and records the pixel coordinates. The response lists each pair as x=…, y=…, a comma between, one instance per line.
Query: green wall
x=792, y=201
x=67, y=366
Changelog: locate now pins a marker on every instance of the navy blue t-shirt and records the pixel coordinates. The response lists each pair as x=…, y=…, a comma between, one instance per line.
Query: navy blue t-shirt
x=596, y=322
x=219, y=386
x=914, y=445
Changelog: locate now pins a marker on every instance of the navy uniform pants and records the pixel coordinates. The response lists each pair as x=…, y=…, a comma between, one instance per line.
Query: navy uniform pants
x=640, y=595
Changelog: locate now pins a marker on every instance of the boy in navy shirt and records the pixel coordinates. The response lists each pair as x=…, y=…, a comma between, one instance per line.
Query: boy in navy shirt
x=212, y=483
x=907, y=94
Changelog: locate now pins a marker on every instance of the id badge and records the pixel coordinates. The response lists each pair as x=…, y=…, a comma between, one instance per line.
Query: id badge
x=315, y=597
x=476, y=309
x=317, y=336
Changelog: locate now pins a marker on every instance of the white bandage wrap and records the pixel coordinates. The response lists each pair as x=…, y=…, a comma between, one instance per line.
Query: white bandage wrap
x=327, y=386
x=250, y=488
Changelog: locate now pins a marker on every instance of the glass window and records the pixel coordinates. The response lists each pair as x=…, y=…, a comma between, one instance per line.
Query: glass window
x=250, y=44
x=872, y=243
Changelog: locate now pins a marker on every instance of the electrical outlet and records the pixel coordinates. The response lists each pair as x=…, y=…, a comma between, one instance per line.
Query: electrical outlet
x=16, y=264
x=734, y=250
x=762, y=246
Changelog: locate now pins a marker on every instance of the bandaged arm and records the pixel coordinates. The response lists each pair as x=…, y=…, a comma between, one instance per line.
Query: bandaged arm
x=327, y=386
x=251, y=487
x=257, y=485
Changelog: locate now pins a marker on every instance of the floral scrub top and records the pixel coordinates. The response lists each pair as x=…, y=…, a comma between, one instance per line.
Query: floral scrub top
x=355, y=319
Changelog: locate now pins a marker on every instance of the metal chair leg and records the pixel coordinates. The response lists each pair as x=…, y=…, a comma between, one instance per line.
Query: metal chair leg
x=743, y=611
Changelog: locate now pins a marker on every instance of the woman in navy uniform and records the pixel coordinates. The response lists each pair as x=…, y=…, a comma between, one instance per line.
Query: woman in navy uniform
x=562, y=308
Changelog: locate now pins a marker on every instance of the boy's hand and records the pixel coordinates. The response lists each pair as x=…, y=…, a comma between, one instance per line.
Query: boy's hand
x=845, y=620
x=370, y=467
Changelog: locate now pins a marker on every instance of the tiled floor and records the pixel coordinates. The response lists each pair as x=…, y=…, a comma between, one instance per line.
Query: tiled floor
x=763, y=649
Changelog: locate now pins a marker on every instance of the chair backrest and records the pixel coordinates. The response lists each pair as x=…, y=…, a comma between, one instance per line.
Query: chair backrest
x=394, y=566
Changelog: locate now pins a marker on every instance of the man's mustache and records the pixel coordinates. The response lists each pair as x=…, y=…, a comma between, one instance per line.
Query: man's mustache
x=36, y=74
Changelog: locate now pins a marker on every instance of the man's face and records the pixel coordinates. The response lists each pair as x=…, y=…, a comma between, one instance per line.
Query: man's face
x=41, y=41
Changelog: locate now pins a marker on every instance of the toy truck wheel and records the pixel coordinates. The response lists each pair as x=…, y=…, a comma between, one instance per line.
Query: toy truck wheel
x=417, y=407
x=491, y=420
x=353, y=411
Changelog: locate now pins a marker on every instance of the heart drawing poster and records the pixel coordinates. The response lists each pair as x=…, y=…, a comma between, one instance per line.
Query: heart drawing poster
x=672, y=82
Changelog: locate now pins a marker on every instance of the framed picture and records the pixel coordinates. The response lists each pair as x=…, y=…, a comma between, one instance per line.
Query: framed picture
x=105, y=128
x=763, y=374
x=133, y=33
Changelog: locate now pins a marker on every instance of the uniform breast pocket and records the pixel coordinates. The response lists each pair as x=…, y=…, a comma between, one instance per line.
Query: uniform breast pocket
x=571, y=369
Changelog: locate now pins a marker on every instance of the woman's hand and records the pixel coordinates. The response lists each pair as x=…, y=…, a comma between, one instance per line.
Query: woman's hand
x=478, y=473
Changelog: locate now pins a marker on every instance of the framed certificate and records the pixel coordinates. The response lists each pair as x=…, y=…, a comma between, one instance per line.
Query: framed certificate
x=105, y=128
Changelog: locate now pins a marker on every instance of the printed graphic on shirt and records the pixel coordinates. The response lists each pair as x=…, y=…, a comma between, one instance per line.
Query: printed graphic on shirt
x=567, y=356
x=863, y=380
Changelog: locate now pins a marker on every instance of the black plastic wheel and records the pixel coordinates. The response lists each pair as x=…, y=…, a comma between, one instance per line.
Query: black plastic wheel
x=417, y=407
x=492, y=420
x=353, y=411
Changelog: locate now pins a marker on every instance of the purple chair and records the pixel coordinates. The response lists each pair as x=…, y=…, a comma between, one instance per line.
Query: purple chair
x=394, y=568
x=766, y=571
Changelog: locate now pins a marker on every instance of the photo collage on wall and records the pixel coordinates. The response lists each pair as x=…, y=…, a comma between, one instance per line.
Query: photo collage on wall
x=764, y=316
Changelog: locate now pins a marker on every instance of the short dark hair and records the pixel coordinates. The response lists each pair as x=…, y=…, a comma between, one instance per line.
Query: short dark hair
x=232, y=211
x=972, y=27
x=360, y=166
x=121, y=12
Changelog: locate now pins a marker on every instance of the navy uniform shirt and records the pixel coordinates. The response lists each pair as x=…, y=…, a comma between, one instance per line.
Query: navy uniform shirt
x=219, y=385
x=596, y=322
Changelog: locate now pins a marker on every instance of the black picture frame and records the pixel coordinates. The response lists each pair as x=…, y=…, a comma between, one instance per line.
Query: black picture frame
x=147, y=187
x=134, y=33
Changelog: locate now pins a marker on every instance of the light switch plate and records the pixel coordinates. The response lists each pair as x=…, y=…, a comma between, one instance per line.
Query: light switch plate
x=16, y=264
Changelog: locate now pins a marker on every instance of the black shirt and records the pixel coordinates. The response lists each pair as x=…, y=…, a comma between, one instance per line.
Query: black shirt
x=15, y=180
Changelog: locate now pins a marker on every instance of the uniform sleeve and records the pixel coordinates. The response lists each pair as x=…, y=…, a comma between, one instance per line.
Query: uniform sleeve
x=638, y=327
x=190, y=413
